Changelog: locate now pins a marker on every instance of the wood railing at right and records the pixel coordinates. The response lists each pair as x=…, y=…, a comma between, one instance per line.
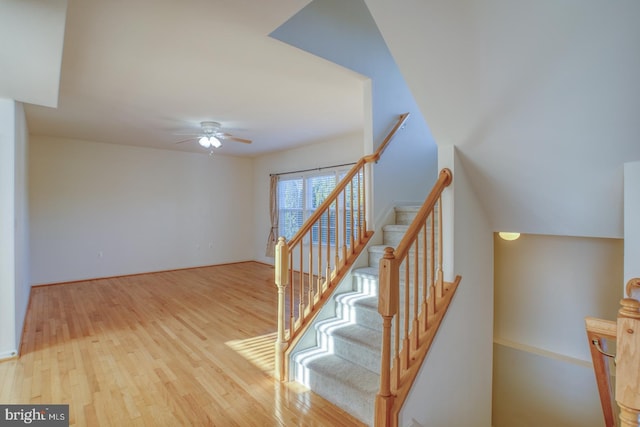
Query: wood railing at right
x=599, y=333
x=413, y=298
x=626, y=333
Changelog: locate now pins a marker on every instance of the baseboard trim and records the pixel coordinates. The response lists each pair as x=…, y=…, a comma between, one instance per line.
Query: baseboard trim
x=145, y=272
x=8, y=355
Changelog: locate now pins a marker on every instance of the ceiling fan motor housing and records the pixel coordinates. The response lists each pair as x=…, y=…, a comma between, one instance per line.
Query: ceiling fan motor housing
x=210, y=128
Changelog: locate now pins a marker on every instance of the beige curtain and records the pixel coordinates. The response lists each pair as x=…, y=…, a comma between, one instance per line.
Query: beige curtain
x=273, y=208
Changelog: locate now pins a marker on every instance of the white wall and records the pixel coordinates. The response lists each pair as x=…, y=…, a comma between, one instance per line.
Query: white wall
x=532, y=390
x=544, y=288
x=453, y=387
x=631, y=222
x=14, y=226
x=101, y=210
x=337, y=151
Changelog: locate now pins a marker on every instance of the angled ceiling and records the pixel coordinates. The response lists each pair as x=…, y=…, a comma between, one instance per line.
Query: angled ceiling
x=31, y=37
x=540, y=98
x=138, y=72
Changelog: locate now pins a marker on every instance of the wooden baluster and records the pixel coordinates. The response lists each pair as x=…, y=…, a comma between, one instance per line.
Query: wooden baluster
x=336, y=236
x=327, y=281
x=416, y=297
x=628, y=361
x=404, y=361
x=440, y=280
x=281, y=279
x=360, y=207
x=432, y=264
x=310, y=272
x=344, y=225
x=425, y=271
x=300, y=286
x=364, y=202
x=320, y=288
x=353, y=219
x=388, y=308
x=292, y=295
x=309, y=281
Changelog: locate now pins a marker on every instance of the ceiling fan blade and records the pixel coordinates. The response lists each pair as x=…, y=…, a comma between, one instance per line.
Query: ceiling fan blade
x=235, y=138
x=186, y=140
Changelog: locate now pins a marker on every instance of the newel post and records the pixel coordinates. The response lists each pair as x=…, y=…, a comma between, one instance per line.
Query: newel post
x=282, y=280
x=628, y=361
x=388, y=308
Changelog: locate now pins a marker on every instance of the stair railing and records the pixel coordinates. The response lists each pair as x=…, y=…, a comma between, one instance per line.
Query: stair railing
x=626, y=333
x=413, y=298
x=599, y=333
x=318, y=256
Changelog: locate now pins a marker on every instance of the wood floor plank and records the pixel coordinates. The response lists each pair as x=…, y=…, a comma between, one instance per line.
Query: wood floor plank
x=187, y=347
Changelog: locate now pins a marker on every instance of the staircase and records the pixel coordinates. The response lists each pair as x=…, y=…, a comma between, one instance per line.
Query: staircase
x=344, y=366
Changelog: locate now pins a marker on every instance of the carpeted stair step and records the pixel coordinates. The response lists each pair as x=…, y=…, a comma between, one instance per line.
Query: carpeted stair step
x=393, y=234
x=346, y=384
x=405, y=214
x=343, y=367
x=365, y=280
x=359, y=345
x=359, y=308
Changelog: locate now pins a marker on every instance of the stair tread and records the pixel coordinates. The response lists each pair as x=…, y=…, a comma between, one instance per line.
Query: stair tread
x=396, y=227
x=368, y=272
x=356, y=298
x=360, y=335
x=407, y=208
x=351, y=374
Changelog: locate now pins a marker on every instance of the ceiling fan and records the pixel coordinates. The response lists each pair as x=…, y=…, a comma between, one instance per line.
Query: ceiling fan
x=211, y=136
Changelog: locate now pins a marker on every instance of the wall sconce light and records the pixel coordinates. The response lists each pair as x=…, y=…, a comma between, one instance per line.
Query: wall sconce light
x=504, y=235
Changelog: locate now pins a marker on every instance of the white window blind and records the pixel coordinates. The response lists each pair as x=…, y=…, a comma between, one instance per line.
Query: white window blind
x=299, y=196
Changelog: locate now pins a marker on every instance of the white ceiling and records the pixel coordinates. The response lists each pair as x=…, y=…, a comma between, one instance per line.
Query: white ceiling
x=31, y=37
x=136, y=72
x=542, y=101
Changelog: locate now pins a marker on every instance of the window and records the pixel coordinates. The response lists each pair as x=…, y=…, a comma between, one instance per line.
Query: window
x=300, y=196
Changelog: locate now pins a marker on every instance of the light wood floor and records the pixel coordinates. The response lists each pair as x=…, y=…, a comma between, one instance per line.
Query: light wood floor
x=189, y=347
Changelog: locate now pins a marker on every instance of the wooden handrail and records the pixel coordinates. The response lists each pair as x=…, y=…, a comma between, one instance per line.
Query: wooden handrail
x=626, y=333
x=598, y=331
x=383, y=146
x=309, y=266
x=425, y=296
x=444, y=180
x=324, y=206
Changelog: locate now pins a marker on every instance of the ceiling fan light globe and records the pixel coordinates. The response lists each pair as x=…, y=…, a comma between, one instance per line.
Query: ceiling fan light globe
x=204, y=141
x=215, y=142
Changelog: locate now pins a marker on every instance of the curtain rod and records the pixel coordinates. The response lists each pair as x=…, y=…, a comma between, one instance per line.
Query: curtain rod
x=312, y=169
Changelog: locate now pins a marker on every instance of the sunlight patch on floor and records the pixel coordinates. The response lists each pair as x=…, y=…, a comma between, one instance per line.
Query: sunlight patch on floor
x=258, y=350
